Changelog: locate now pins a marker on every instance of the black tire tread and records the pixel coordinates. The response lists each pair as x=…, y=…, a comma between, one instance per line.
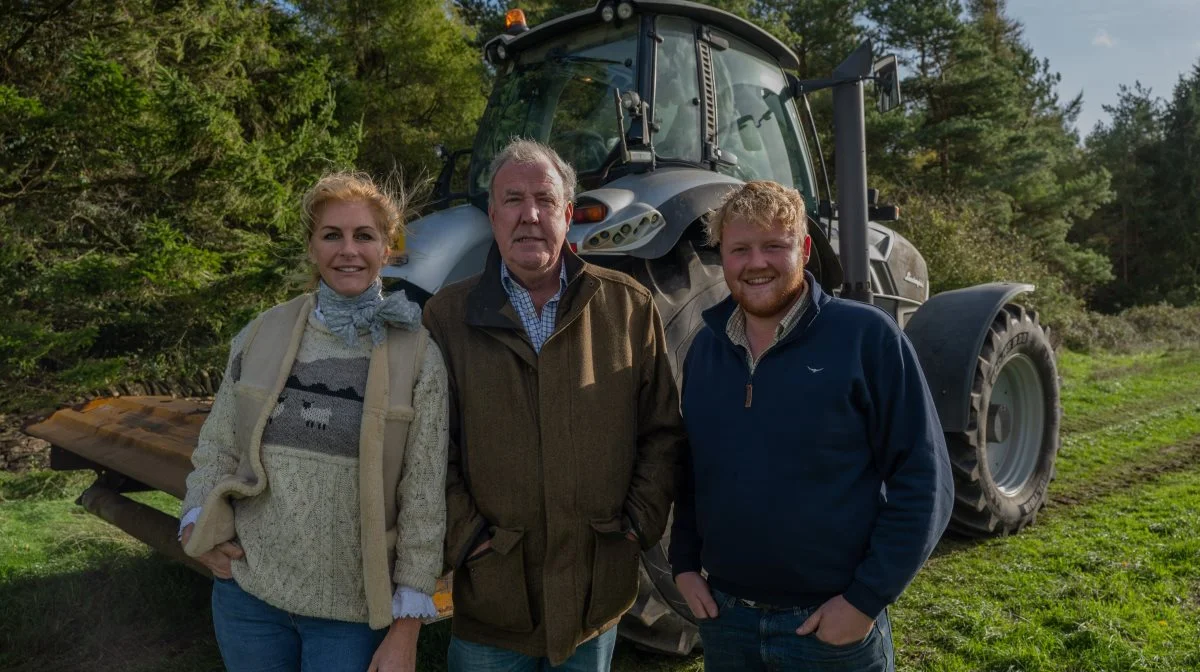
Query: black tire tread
x=971, y=516
x=684, y=283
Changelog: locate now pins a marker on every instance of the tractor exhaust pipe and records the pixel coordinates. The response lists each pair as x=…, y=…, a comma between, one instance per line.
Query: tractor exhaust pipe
x=850, y=147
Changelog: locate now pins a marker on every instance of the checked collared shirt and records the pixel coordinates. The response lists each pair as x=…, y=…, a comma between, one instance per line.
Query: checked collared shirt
x=735, y=328
x=537, y=327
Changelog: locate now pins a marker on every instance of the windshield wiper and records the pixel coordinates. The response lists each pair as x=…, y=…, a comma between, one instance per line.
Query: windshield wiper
x=558, y=56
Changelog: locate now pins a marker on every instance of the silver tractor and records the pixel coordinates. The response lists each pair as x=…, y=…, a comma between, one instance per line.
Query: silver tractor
x=663, y=106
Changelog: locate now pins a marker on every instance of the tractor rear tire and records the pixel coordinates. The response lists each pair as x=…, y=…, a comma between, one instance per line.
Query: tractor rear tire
x=1004, y=461
x=685, y=283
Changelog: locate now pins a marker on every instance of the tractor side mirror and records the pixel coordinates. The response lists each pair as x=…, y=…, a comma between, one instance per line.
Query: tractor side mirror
x=887, y=83
x=877, y=212
x=443, y=194
x=639, y=133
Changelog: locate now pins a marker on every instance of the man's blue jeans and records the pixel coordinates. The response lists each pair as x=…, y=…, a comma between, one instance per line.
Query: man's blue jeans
x=594, y=655
x=255, y=637
x=746, y=639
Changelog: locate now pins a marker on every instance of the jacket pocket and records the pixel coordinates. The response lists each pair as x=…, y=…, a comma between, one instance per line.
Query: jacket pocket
x=614, y=573
x=491, y=588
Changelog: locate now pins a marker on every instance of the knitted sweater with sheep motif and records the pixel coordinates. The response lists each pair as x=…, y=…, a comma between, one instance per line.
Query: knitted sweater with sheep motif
x=303, y=551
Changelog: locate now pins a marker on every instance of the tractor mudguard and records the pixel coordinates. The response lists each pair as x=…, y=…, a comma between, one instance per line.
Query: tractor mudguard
x=947, y=332
x=682, y=195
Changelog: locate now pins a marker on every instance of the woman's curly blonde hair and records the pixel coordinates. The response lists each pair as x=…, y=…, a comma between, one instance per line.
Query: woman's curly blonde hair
x=388, y=201
x=766, y=204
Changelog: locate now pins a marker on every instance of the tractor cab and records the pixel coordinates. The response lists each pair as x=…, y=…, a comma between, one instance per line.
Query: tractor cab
x=627, y=88
x=662, y=107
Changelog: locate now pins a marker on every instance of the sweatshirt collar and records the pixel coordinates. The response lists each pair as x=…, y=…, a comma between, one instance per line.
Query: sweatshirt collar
x=717, y=317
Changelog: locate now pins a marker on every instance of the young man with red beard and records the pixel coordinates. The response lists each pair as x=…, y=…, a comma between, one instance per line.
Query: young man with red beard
x=817, y=481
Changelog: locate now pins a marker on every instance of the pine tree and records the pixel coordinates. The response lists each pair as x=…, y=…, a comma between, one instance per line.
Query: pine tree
x=408, y=72
x=1129, y=147
x=1172, y=236
x=153, y=163
x=988, y=126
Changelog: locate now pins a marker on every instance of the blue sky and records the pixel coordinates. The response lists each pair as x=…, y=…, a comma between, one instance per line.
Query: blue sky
x=1098, y=44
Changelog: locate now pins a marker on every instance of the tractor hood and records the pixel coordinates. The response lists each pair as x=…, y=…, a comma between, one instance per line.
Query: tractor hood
x=644, y=216
x=440, y=248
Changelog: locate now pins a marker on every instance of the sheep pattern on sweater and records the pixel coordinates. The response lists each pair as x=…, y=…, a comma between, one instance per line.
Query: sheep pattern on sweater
x=320, y=408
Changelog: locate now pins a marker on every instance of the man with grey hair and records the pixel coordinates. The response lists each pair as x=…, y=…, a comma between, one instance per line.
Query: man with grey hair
x=564, y=431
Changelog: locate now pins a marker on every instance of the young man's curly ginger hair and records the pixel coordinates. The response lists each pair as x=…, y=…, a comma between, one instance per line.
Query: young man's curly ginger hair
x=766, y=204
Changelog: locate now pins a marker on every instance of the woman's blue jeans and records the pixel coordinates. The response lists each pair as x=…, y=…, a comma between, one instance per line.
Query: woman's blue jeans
x=255, y=637
x=748, y=639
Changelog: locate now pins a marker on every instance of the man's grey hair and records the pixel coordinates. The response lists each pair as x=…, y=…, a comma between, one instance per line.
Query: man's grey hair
x=522, y=151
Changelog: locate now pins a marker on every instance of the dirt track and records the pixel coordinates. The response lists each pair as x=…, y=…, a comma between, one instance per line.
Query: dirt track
x=1150, y=467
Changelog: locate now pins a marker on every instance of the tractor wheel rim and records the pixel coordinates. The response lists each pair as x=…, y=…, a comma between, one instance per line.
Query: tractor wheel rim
x=1013, y=460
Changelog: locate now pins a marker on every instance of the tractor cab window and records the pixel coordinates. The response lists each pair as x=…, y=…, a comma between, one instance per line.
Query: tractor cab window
x=676, y=92
x=561, y=93
x=754, y=121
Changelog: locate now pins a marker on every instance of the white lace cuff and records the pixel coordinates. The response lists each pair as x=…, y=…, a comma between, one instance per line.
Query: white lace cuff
x=188, y=518
x=412, y=603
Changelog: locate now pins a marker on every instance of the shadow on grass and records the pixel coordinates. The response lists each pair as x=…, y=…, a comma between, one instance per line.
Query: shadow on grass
x=140, y=614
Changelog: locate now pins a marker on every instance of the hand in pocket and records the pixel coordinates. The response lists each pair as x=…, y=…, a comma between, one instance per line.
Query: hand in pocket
x=837, y=623
x=217, y=560
x=696, y=593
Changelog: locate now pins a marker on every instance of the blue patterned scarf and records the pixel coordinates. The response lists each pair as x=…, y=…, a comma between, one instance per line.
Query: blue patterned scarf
x=350, y=317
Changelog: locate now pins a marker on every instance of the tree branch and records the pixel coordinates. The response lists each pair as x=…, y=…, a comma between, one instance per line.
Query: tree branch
x=32, y=28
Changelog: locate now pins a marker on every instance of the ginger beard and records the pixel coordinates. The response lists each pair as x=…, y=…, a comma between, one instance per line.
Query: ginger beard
x=763, y=266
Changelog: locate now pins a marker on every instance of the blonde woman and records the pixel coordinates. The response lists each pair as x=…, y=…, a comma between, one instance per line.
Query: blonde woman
x=317, y=498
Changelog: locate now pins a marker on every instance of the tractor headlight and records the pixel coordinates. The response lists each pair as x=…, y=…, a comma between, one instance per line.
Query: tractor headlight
x=628, y=233
x=501, y=52
x=607, y=13
x=624, y=11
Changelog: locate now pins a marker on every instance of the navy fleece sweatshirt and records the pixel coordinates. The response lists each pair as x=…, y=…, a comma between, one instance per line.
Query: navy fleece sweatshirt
x=834, y=480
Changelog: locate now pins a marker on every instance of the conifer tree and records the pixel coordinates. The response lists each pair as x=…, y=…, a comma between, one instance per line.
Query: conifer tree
x=154, y=156
x=407, y=71
x=1129, y=146
x=1171, y=236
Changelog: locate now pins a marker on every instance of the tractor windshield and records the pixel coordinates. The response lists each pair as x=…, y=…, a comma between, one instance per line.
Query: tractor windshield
x=561, y=93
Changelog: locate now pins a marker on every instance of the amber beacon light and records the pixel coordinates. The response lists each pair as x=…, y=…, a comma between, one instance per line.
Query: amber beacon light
x=514, y=20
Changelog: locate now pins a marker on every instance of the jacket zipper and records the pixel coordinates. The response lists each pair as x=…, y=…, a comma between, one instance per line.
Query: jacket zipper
x=750, y=367
x=752, y=364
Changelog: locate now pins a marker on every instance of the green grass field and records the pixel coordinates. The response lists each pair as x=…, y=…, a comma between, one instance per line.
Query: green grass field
x=1109, y=578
